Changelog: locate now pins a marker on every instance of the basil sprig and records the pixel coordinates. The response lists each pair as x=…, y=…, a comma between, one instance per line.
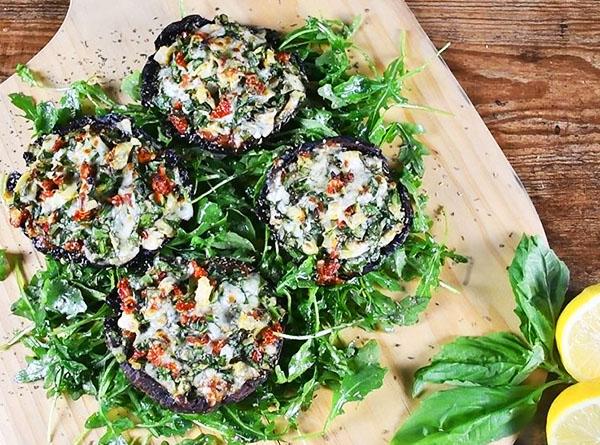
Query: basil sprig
x=489, y=400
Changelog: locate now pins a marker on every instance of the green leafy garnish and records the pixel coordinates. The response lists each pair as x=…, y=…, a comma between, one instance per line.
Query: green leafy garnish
x=27, y=75
x=490, y=401
x=539, y=281
x=4, y=265
x=130, y=85
x=470, y=415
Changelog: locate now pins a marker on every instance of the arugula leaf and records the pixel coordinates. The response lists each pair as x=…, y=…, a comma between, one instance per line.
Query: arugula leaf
x=94, y=94
x=24, y=103
x=475, y=415
x=497, y=359
x=131, y=86
x=364, y=375
x=46, y=115
x=301, y=361
x=35, y=370
x=4, y=265
x=539, y=280
x=63, y=298
x=27, y=75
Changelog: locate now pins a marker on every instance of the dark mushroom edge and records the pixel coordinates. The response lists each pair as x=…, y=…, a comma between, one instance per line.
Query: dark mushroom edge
x=99, y=191
x=194, y=335
x=221, y=85
x=334, y=198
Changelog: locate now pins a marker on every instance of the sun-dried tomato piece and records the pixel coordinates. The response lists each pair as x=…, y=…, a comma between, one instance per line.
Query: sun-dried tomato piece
x=144, y=156
x=223, y=109
x=128, y=303
x=198, y=270
x=334, y=186
x=180, y=123
x=48, y=188
x=73, y=245
x=217, y=346
x=185, y=306
x=267, y=335
x=85, y=170
x=327, y=272
x=58, y=144
x=254, y=83
x=198, y=341
x=180, y=59
x=161, y=184
x=283, y=57
x=82, y=215
x=138, y=355
x=256, y=355
x=18, y=217
x=155, y=354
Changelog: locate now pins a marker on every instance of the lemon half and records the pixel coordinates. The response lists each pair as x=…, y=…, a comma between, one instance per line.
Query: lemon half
x=574, y=417
x=578, y=335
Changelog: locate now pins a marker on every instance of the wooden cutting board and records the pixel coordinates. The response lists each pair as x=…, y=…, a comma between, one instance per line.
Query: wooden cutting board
x=480, y=204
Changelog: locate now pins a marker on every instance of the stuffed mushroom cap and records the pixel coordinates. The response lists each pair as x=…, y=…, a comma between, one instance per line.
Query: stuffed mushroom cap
x=335, y=199
x=194, y=335
x=99, y=191
x=221, y=85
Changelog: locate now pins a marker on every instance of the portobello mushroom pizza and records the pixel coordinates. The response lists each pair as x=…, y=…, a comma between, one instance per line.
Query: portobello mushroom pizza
x=222, y=85
x=194, y=335
x=335, y=199
x=98, y=191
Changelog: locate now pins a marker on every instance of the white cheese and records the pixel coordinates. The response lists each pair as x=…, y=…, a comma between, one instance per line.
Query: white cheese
x=128, y=322
x=202, y=295
x=163, y=55
x=59, y=199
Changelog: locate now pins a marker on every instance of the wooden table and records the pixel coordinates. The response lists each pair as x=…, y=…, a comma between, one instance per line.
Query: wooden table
x=532, y=69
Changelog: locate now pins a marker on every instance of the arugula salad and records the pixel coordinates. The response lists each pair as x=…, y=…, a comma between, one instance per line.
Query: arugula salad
x=228, y=318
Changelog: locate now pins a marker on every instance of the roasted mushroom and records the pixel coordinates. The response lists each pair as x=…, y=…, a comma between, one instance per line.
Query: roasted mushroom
x=221, y=85
x=194, y=335
x=99, y=191
x=335, y=199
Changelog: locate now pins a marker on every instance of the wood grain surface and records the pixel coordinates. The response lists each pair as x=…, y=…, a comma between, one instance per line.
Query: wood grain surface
x=532, y=69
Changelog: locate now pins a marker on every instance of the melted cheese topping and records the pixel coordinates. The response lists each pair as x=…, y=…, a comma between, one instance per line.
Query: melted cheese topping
x=198, y=332
x=336, y=203
x=226, y=83
x=99, y=194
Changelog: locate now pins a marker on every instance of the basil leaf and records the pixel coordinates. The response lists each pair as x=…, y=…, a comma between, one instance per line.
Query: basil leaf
x=4, y=265
x=363, y=376
x=539, y=280
x=130, y=86
x=474, y=416
x=27, y=75
x=494, y=360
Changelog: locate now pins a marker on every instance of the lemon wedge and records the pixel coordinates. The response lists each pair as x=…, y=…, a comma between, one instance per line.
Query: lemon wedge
x=578, y=335
x=574, y=417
